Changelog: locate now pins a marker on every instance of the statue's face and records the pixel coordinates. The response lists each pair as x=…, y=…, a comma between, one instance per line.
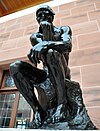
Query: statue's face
x=44, y=15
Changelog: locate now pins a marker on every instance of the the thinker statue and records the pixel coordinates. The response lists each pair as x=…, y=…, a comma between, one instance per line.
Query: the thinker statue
x=60, y=99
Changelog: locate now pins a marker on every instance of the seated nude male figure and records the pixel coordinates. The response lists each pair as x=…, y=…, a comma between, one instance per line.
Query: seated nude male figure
x=51, y=45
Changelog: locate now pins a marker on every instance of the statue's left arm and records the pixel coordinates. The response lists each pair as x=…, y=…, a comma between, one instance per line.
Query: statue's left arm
x=65, y=44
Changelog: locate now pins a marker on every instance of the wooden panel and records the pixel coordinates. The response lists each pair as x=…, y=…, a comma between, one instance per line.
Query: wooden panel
x=15, y=106
x=11, y=6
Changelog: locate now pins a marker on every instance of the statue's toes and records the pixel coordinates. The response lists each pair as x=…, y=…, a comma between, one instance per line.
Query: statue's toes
x=37, y=124
x=49, y=120
x=57, y=118
x=54, y=119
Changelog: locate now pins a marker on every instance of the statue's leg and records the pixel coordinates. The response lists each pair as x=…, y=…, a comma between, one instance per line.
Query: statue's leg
x=25, y=76
x=65, y=65
x=57, y=77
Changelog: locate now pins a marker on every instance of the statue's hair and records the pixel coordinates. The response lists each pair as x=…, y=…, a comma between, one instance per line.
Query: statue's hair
x=46, y=7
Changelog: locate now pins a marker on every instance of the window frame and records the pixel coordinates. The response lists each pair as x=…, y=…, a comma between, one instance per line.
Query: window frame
x=14, y=108
x=10, y=90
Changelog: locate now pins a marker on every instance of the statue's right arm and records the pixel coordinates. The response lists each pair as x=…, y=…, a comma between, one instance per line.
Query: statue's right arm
x=37, y=48
x=34, y=41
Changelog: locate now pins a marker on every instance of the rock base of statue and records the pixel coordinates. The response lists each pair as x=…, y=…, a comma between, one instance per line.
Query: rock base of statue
x=77, y=117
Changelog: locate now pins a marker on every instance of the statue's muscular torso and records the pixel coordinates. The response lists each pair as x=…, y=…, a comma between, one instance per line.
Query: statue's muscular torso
x=58, y=32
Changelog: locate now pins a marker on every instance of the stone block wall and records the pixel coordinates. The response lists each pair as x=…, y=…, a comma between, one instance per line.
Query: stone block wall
x=83, y=16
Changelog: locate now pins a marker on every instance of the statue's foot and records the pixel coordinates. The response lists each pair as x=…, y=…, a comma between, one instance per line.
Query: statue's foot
x=59, y=115
x=38, y=120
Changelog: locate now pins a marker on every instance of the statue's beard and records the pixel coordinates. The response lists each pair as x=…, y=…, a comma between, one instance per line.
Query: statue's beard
x=47, y=30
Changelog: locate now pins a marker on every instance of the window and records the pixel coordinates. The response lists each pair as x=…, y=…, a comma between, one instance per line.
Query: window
x=14, y=110
x=7, y=80
x=6, y=106
x=23, y=114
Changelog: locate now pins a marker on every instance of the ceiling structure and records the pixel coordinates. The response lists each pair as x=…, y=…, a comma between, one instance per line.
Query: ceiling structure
x=11, y=6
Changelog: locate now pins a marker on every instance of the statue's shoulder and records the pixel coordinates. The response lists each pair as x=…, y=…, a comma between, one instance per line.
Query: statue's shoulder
x=63, y=28
x=66, y=29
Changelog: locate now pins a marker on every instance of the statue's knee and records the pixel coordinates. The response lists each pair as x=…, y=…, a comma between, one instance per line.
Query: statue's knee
x=15, y=67
x=52, y=52
x=52, y=55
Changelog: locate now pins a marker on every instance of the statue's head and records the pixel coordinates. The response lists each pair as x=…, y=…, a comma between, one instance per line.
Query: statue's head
x=45, y=13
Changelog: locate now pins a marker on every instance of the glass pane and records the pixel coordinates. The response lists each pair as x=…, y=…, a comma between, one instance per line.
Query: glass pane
x=23, y=114
x=9, y=82
x=6, y=104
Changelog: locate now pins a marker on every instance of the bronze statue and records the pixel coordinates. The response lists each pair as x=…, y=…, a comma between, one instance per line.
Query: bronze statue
x=58, y=100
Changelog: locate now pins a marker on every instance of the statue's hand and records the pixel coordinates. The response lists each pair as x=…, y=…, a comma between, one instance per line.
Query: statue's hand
x=37, y=52
x=44, y=24
x=47, y=29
